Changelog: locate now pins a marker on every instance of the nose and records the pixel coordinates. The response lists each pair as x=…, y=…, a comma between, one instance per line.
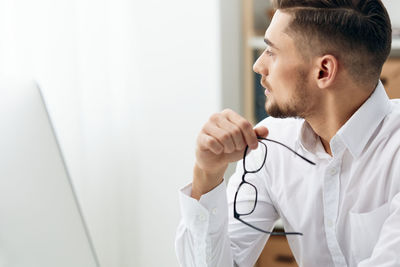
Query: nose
x=260, y=66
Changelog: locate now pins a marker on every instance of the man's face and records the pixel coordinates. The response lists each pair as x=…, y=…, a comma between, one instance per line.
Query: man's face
x=285, y=74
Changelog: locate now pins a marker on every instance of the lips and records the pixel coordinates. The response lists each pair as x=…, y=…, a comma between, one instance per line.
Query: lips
x=264, y=84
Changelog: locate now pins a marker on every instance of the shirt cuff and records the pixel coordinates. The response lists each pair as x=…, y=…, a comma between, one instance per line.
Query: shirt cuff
x=208, y=214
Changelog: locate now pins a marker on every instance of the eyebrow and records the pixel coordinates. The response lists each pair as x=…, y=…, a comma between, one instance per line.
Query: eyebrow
x=269, y=43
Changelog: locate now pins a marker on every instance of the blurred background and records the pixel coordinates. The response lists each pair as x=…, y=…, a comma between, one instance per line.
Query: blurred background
x=129, y=84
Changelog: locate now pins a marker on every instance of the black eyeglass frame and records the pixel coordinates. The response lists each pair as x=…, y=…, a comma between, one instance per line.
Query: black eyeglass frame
x=237, y=215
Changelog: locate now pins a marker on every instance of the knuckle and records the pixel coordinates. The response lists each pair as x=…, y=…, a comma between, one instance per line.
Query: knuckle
x=210, y=142
x=236, y=131
x=214, y=117
x=227, y=111
x=245, y=125
x=241, y=146
x=225, y=137
x=230, y=150
x=206, y=126
x=201, y=141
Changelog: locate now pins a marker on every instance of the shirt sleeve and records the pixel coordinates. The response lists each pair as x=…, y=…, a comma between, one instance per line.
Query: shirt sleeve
x=386, y=251
x=208, y=235
x=202, y=238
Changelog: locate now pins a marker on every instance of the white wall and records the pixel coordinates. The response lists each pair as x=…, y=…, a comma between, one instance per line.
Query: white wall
x=179, y=88
x=393, y=7
x=129, y=85
x=231, y=47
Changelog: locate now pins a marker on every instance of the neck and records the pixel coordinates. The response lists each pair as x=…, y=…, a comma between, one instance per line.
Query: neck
x=334, y=110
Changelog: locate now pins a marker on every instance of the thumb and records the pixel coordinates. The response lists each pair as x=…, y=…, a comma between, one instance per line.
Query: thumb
x=261, y=131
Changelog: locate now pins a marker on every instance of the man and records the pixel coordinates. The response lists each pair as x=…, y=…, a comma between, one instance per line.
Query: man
x=321, y=73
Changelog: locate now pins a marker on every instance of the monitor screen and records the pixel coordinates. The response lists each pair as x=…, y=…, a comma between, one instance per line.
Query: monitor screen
x=41, y=222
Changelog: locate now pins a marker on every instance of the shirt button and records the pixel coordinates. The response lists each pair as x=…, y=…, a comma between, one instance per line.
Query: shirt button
x=333, y=171
x=329, y=223
x=201, y=217
x=214, y=211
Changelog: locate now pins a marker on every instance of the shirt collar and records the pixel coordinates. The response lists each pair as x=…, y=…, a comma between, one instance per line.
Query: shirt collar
x=356, y=132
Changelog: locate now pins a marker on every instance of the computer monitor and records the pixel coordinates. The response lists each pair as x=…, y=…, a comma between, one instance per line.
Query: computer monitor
x=41, y=222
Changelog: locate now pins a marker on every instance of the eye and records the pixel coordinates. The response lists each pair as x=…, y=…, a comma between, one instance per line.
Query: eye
x=268, y=52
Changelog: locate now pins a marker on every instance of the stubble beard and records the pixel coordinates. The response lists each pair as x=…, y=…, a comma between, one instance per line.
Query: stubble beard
x=297, y=106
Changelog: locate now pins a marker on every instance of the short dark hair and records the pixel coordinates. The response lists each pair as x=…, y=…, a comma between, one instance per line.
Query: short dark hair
x=357, y=32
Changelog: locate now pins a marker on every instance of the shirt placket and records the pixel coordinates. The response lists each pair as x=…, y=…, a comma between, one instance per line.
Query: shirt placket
x=331, y=203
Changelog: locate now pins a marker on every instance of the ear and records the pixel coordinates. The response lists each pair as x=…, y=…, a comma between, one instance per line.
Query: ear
x=327, y=69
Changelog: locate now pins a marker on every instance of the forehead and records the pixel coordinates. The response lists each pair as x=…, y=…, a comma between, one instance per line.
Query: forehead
x=276, y=31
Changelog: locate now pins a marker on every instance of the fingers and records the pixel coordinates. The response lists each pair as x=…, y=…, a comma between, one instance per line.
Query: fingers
x=234, y=131
x=261, y=131
x=207, y=142
x=228, y=132
x=222, y=135
x=246, y=128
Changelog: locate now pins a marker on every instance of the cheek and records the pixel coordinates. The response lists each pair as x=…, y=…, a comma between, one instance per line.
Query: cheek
x=282, y=79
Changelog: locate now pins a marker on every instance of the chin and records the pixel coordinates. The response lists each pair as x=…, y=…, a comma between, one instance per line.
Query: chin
x=277, y=112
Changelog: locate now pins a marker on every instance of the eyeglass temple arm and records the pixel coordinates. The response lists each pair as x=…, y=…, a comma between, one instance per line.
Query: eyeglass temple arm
x=267, y=232
x=279, y=143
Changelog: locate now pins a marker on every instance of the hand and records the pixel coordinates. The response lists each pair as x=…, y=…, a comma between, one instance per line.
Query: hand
x=221, y=141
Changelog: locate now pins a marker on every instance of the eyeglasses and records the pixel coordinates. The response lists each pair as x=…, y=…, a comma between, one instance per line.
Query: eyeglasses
x=248, y=189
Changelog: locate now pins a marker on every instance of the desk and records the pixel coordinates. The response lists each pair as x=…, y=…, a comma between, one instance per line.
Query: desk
x=276, y=253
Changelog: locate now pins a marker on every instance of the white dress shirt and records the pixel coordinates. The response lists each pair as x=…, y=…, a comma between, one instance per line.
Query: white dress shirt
x=347, y=205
